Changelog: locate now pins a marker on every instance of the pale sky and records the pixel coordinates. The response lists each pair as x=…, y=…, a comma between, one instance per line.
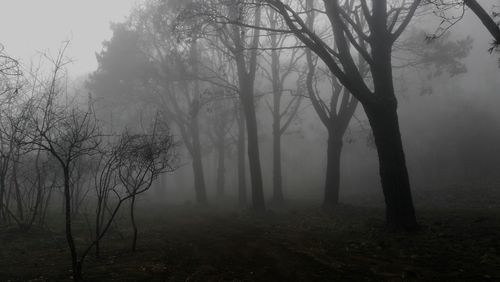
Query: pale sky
x=30, y=26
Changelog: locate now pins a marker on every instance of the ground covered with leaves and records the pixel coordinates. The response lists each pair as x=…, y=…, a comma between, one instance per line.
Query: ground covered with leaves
x=285, y=244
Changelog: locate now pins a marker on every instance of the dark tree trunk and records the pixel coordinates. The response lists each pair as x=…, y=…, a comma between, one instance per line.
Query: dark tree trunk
x=253, y=145
x=19, y=200
x=246, y=64
x=277, y=176
x=383, y=117
x=400, y=213
x=43, y=214
x=3, y=217
x=77, y=273
x=242, y=182
x=199, y=178
x=332, y=181
x=221, y=169
x=98, y=228
x=486, y=19
x=277, y=93
x=134, y=225
x=39, y=193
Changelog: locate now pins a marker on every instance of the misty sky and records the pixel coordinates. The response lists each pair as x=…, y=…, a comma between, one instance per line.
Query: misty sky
x=29, y=26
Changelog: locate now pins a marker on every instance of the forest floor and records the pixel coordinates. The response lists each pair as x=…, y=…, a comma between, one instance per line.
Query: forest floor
x=303, y=244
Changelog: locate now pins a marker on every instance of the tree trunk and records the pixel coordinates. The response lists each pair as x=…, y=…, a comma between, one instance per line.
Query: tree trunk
x=98, y=226
x=3, y=216
x=486, y=19
x=332, y=181
x=46, y=204
x=77, y=275
x=277, y=93
x=221, y=169
x=39, y=193
x=246, y=64
x=199, y=178
x=19, y=200
x=258, y=203
x=400, y=213
x=134, y=225
x=277, y=176
x=242, y=182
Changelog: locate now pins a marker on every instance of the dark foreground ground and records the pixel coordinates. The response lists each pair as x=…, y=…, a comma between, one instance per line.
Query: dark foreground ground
x=350, y=244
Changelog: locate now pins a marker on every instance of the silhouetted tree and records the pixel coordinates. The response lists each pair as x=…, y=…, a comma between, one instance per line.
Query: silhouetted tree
x=141, y=159
x=283, y=61
x=68, y=134
x=385, y=22
x=242, y=43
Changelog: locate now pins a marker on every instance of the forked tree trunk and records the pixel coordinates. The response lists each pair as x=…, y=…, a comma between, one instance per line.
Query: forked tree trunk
x=400, y=213
x=332, y=180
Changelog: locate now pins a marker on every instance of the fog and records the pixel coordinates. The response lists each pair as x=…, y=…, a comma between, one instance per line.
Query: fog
x=249, y=140
x=44, y=25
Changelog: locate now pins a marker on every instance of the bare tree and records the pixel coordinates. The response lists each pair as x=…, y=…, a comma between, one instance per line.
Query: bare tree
x=67, y=133
x=10, y=83
x=283, y=64
x=177, y=64
x=221, y=115
x=9, y=73
x=242, y=43
x=385, y=21
x=105, y=183
x=487, y=19
x=217, y=68
x=142, y=158
x=29, y=181
x=127, y=166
